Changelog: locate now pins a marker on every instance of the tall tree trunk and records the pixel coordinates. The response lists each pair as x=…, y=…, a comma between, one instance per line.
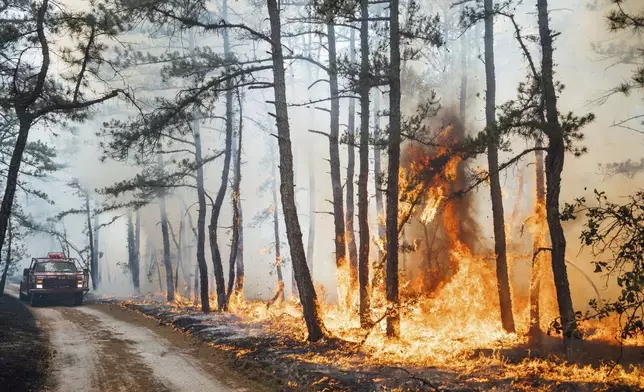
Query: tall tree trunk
x=464, y=55
x=503, y=281
x=377, y=170
x=310, y=248
x=165, y=235
x=363, y=177
x=295, y=167
x=554, y=168
x=7, y=262
x=538, y=242
x=393, y=319
x=137, y=253
x=240, y=274
x=189, y=276
x=276, y=228
x=202, y=284
x=179, y=247
x=158, y=267
x=308, y=297
x=201, y=224
x=239, y=278
x=234, y=246
x=197, y=288
x=334, y=155
x=92, y=255
x=351, y=240
x=182, y=259
x=132, y=251
x=219, y=200
x=293, y=280
x=95, y=251
x=14, y=170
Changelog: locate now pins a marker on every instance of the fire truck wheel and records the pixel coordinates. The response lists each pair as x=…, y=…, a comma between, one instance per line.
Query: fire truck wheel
x=34, y=300
x=78, y=300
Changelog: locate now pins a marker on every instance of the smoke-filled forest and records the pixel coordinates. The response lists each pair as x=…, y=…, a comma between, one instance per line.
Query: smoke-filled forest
x=341, y=195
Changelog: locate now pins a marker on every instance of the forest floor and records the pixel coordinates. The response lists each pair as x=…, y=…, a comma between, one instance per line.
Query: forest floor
x=24, y=352
x=292, y=364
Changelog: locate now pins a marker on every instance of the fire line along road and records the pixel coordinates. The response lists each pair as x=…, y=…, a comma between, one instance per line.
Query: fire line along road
x=99, y=347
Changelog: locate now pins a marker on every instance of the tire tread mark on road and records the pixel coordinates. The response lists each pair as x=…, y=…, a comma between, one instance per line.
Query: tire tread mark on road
x=114, y=365
x=174, y=367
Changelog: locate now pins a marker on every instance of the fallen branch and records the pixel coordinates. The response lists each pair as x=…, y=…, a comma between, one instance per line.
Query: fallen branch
x=417, y=378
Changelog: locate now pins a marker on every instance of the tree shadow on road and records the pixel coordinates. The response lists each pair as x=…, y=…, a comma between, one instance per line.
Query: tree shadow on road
x=24, y=352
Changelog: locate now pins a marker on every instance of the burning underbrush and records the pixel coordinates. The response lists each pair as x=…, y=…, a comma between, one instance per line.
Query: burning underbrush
x=273, y=340
x=451, y=333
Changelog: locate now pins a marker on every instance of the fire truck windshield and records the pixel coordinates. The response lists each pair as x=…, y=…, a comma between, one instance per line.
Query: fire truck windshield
x=58, y=266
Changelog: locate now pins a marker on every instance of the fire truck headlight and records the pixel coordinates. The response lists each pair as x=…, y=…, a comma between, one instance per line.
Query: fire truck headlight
x=39, y=286
x=80, y=284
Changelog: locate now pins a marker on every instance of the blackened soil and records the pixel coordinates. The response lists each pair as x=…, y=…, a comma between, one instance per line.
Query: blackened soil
x=24, y=352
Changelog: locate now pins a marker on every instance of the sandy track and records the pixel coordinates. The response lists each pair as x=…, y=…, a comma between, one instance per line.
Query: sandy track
x=100, y=348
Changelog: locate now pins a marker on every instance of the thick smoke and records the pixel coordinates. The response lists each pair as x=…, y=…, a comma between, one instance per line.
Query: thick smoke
x=586, y=75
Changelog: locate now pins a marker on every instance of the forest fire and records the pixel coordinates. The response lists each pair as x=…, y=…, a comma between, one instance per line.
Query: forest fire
x=294, y=184
x=449, y=298
x=449, y=302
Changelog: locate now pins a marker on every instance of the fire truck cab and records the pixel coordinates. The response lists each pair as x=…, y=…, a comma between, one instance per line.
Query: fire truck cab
x=54, y=276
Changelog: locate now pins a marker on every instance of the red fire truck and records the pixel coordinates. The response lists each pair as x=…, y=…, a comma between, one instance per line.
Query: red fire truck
x=54, y=276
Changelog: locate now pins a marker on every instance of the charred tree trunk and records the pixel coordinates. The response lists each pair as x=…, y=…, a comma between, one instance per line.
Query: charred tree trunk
x=132, y=253
x=393, y=319
x=165, y=235
x=308, y=297
x=14, y=168
x=377, y=169
x=276, y=229
x=218, y=268
x=96, y=247
x=239, y=261
x=503, y=281
x=137, y=253
x=297, y=206
x=538, y=242
x=310, y=247
x=7, y=262
x=197, y=289
x=202, y=284
x=214, y=219
x=234, y=246
x=191, y=277
x=351, y=240
x=178, y=246
x=240, y=274
x=554, y=168
x=158, y=267
x=92, y=255
x=363, y=177
x=182, y=259
x=334, y=155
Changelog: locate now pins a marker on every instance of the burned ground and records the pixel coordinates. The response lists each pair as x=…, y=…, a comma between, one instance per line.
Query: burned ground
x=341, y=366
x=24, y=352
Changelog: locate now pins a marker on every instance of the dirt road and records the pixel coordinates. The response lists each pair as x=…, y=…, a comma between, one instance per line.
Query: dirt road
x=105, y=348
